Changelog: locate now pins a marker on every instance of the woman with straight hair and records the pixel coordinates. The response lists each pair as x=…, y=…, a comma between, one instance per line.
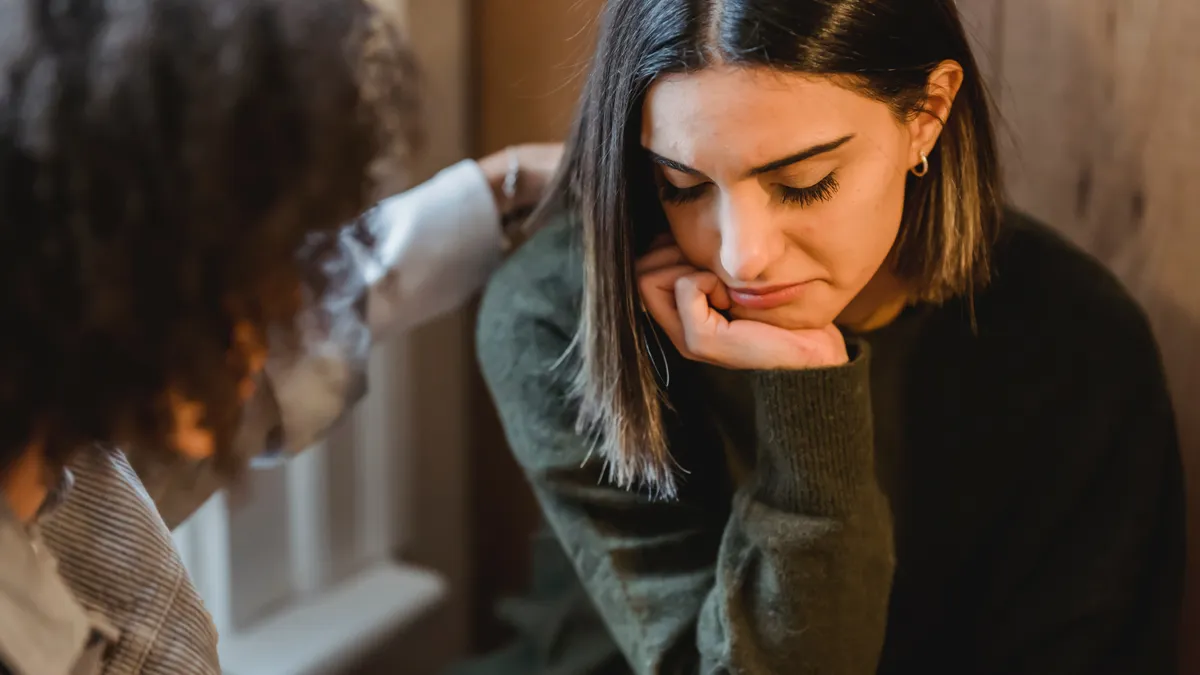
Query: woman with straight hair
x=797, y=393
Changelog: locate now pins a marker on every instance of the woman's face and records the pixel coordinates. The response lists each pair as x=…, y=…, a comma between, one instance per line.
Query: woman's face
x=789, y=187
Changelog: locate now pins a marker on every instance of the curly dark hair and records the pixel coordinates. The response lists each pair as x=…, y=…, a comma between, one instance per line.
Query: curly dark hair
x=161, y=163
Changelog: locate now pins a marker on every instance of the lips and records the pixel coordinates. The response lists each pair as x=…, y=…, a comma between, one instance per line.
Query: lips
x=767, y=297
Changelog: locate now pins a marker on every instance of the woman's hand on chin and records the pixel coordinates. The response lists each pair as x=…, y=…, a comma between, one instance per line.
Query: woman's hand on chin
x=687, y=303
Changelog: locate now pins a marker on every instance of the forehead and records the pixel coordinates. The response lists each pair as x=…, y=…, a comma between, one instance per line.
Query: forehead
x=751, y=111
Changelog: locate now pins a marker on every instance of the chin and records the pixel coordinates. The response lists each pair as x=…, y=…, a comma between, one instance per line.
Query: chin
x=789, y=317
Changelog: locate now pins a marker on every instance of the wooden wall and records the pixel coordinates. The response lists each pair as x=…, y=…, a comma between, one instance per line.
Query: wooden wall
x=1100, y=103
x=529, y=60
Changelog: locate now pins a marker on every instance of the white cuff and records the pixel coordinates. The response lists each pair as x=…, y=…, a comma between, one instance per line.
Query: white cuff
x=442, y=240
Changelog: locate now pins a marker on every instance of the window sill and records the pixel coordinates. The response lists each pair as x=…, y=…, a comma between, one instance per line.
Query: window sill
x=336, y=626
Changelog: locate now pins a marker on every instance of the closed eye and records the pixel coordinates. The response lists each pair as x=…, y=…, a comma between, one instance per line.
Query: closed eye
x=820, y=191
x=677, y=195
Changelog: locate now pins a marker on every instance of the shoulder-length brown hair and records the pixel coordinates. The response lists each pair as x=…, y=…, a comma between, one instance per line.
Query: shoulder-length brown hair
x=884, y=49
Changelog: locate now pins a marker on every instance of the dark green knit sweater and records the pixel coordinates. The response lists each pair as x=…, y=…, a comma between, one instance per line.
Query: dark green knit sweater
x=999, y=499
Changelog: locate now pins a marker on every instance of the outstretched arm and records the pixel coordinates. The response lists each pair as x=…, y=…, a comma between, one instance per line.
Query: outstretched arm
x=412, y=258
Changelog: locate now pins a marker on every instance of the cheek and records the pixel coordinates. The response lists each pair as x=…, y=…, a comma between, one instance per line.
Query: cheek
x=696, y=234
x=861, y=226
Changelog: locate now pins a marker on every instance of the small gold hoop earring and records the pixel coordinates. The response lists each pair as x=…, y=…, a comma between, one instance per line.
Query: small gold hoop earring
x=922, y=168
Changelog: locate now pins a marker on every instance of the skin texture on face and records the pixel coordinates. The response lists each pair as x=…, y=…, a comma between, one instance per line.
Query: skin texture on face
x=800, y=240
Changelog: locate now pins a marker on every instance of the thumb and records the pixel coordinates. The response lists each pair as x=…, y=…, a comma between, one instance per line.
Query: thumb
x=700, y=322
x=714, y=290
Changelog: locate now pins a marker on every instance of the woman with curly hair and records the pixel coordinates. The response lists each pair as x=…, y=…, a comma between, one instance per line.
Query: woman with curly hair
x=176, y=179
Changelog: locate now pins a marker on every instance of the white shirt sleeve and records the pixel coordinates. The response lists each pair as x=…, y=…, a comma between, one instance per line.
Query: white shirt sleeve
x=411, y=258
x=438, y=244
x=414, y=256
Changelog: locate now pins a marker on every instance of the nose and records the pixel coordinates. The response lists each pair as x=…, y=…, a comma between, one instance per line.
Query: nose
x=750, y=239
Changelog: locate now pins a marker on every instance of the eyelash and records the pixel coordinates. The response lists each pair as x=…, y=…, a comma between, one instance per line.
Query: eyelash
x=821, y=191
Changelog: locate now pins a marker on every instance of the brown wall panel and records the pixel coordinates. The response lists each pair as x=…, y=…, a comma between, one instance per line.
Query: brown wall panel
x=528, y=61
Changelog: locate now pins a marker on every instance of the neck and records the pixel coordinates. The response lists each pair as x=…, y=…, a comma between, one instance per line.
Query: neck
x=25, y=484
x=878, y=304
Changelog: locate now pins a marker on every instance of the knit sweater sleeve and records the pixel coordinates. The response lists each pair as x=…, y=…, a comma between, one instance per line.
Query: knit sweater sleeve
x=793, y=577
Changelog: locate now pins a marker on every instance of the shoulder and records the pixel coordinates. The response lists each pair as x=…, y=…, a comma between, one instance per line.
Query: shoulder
x=1074, y=381
x=1049, y=294
x=1067, y=360
x=531, y=305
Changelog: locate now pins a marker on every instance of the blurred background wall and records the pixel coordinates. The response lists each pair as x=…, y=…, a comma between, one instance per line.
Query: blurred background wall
x=529, y=59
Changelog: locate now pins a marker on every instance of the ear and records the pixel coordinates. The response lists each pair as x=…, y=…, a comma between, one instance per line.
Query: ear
x=927, y=125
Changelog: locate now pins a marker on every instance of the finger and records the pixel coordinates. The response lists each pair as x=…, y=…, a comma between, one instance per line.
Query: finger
x=699, y=322
x=658, y=298
x=710, y=285
x=659, y=285
x=546, y=156
x=661, y=282
x=718, y=297
x=667, y=317
x=661, y=257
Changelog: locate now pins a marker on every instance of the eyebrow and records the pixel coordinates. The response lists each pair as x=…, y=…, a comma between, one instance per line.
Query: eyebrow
x=796, y=158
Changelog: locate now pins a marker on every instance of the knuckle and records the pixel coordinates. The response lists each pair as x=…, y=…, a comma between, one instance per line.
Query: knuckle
x=647, y=284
